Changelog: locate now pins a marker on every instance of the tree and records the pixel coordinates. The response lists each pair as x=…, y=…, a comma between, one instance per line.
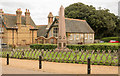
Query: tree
x=101, y=21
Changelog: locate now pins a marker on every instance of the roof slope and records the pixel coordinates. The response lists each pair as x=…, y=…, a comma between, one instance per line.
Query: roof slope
x=10, y=21
x=75, y=25
x=72, y=25
x=41, y=30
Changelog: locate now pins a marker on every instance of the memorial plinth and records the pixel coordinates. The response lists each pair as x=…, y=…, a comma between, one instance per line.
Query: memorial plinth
x=62, y=41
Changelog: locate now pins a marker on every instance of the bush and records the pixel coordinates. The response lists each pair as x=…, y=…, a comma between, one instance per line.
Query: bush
x=43, y=46
x=74, y=47
x=93, y=47
x=107, y=39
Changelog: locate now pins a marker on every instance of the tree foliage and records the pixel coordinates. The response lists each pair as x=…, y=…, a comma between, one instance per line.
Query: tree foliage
x=104, y=23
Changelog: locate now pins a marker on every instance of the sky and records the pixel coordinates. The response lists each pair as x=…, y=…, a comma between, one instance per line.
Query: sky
x=40, y=9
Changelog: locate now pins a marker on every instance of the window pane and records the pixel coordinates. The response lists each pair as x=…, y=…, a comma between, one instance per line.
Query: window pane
x=55, y=31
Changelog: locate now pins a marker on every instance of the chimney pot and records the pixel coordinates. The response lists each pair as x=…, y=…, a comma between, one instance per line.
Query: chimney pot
x=26, y=10
x=20, y=9
x=27, y=17
x=18, y=13
x=1, y=11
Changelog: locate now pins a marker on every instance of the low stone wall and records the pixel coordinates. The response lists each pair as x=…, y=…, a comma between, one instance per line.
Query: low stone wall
x=43, y=40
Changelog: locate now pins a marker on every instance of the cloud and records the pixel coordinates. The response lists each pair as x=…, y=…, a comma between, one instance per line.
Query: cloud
x=40, y=9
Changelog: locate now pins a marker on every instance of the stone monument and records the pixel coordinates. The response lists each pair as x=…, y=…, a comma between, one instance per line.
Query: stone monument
x=61, y=44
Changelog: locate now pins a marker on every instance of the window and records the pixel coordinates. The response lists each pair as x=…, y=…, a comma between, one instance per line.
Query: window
x=74, y=36
x=81, y=36
x=59, y=45
x=86, y=36
x=64, y=44
x=1, y=29
x=56, y=21
x=71, y=36
x=91, y=36
x=55, y=32
x=77, y=36
x=52, y=41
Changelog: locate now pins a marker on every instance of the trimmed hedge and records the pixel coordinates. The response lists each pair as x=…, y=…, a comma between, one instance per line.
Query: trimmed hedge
x=43, y=46
x=93, y=47
x=74, y=47
x=107, y=39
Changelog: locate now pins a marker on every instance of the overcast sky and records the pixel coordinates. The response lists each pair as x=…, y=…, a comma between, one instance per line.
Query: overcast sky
x=40, y=9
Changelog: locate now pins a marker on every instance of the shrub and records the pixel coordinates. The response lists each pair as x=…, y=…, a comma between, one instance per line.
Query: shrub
x=43, y=46
x=74, y=47
x=93, y=47
x=107, y=39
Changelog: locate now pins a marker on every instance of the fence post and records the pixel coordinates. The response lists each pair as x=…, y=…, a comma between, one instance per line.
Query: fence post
x=40, y=63
x=7, y=59
x=119, y=57
x=89, y=65
x=23, y=54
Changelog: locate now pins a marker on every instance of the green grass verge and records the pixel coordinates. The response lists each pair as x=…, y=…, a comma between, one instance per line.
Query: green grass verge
x=115, y=44
x=107, y=39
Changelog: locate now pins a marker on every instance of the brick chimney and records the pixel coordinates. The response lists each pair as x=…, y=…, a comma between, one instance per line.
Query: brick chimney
x=27, y=17
x=50, y=19
x=18, y=16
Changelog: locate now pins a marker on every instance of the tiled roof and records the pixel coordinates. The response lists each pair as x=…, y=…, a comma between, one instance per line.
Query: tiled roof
x=41, y=30
x=74, y=25
x=50, y=14
x=10, y=21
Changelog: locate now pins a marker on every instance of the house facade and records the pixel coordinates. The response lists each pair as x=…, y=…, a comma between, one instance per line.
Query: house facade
x=18, y=29
x=77, y=31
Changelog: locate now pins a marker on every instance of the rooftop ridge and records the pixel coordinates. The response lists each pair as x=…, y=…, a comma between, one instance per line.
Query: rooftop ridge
x=75, y=19
x=72, y=19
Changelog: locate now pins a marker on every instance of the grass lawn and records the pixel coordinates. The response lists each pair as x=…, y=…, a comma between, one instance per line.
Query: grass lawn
x=69, y=57
x=116, y=44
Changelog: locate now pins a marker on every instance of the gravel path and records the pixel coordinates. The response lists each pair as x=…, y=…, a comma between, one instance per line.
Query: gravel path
x=31, y=67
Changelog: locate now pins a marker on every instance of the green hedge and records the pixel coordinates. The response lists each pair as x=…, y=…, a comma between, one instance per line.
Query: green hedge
x=93, y=47
x=107, y=39
x=74, y=47
x=43, y=46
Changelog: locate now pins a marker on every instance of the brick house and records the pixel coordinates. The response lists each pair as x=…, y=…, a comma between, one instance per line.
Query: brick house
x=77, y=31
x=18, y=29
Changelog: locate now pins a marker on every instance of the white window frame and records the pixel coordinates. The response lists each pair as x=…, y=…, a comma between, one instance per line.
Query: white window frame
x=91, y=36
x=86, y=36
x=71, y=36
x=77, y=36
